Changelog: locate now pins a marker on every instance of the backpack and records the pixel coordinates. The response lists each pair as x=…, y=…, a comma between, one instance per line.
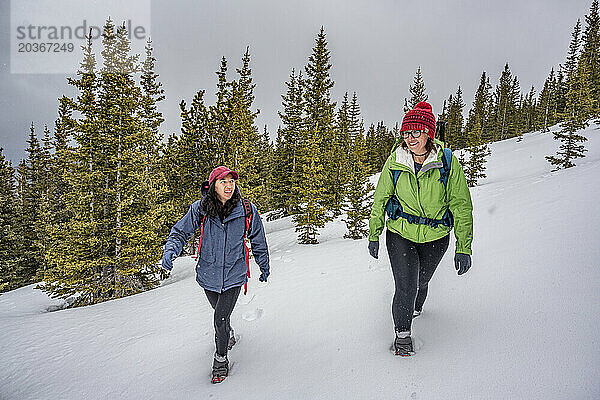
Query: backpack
x=393, y=208
x=248, y=218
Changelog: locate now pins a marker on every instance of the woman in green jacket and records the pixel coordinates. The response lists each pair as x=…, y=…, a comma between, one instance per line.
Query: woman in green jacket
x=423, y=189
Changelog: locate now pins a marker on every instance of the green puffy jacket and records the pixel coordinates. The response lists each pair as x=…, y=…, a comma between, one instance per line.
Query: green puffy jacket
x=424, y=195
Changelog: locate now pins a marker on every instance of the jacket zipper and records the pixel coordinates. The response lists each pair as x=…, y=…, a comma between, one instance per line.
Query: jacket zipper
x=224, y=245
x=419, y=195
x=420, y=205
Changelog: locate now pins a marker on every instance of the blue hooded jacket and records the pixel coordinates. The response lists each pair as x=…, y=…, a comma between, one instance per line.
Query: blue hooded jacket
x=221, y=264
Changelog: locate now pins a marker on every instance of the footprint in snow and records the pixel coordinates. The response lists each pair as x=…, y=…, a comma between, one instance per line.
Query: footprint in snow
x=253, y=315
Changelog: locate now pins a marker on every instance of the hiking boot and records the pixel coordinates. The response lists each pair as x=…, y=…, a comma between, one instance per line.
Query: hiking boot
x=220, y=369
x=232, y=341
x=403, y=346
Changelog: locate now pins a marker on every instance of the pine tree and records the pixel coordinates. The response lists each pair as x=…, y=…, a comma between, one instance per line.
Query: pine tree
x=150, y=117
x=392, y=136
x=286, y=167
x=121, y=135
x=74, y=236
x=519, y=118
x=346, y=126
x=154, y=175
x=223, y=134
x=248, y=146
x=505, y=106
x=219, y=126
x=355, y=127
x=277, y=175
x=547, y=102
x=320, y=118
x=385, y=141
x=174, y=174
x=193, y=155
x=45, y=200
x=590, y=53
x=527, y=113
x=379, y=142
x=312, y=211
x=570, y=66
x=454, y=137
x=358, y=189
x=372, y=153
x=480, y=110
x=560, y=101
x=417, y=92
x=109, y=245
x=442, y=121
x=579, y=108
x=266, y=148
x=31, y=181
x=63, y=127
x=478, y=151
x=9, y=232
x=512, y=125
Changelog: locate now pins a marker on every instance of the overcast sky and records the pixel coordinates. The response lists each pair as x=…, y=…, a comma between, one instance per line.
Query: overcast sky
x=376, y=47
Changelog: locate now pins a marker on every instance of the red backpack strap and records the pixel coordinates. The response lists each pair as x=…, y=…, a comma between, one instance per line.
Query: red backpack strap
x=201, y=234
x=248, y=213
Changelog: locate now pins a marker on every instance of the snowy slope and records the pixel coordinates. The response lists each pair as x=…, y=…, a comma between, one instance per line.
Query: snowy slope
x=523, y=323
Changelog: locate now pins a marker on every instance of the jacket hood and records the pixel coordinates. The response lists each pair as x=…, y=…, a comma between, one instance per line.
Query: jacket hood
x=433, y=160
x=204, y=189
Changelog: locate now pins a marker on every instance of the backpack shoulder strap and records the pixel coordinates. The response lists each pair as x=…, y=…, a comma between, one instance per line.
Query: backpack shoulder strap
x=447, y=163
x=247, y=212
x=201, y=236
x=395, y=175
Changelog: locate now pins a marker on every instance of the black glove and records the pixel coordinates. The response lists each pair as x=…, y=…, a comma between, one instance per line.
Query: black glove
x=167, y=260
x=462, y=262
x=263, y=276
x=374, y=249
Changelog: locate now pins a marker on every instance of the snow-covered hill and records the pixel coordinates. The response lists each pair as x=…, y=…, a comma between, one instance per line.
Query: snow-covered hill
x=523, y=323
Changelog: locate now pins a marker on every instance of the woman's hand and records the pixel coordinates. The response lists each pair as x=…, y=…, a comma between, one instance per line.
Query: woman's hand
x=167, y=260
x=374, y=249
x=263, y=276
x=462, y=262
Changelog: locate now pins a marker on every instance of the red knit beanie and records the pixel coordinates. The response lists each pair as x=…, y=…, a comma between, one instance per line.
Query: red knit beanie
x=419, y=118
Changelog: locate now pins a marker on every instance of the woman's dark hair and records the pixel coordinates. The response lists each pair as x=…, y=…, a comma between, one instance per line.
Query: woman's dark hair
x=212, y=205
x=428, y=145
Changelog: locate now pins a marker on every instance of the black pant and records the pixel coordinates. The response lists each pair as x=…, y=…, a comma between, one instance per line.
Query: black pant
x=223, y=304
x=413, y=265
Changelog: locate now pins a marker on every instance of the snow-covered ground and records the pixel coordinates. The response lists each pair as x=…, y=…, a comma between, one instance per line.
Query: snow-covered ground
x=523, y=323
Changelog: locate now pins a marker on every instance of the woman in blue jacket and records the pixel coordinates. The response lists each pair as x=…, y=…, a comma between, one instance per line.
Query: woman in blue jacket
x=221, y=268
